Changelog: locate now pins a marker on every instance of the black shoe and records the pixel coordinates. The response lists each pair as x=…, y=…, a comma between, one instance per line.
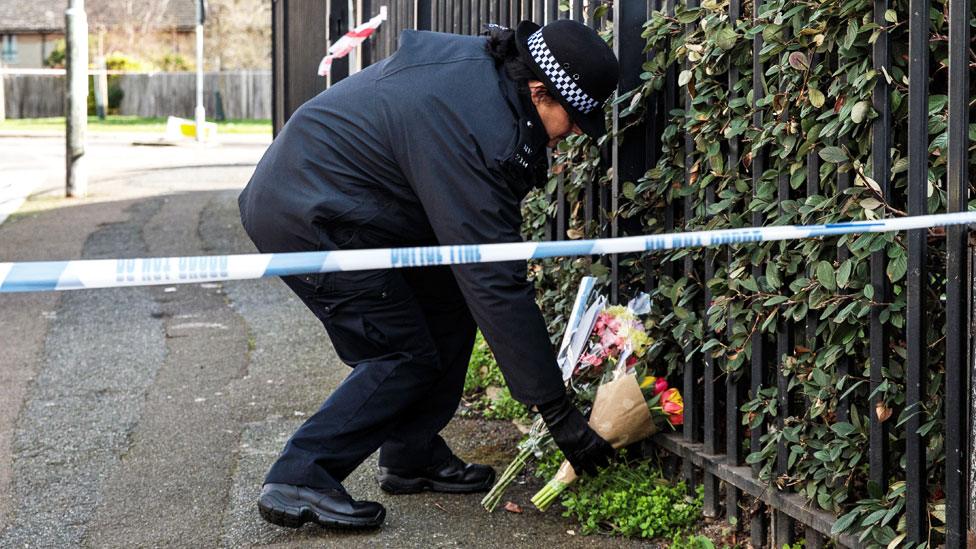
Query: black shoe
x=293, y=506
x=453, y=476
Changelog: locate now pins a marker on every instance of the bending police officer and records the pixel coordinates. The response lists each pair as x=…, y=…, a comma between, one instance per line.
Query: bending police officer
x=437, y=144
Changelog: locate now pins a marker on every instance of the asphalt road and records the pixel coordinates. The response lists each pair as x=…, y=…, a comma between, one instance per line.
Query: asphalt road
x=148, y=416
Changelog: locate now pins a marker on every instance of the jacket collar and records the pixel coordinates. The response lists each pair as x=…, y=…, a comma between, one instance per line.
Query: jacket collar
x=532, y=133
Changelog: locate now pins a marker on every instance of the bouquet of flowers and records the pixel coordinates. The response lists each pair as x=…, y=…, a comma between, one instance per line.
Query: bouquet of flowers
x=624, y=411
x=600, y=358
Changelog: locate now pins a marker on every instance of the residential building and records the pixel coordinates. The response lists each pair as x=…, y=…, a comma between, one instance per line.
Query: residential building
x=30, y=31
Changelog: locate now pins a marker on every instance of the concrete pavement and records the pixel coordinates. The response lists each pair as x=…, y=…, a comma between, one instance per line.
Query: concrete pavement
x=148, y=416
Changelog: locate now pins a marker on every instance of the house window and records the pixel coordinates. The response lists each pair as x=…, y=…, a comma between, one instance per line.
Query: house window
x=8, y=48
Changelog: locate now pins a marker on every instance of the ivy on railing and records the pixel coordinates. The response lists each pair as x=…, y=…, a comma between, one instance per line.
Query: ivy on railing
x=817, y=109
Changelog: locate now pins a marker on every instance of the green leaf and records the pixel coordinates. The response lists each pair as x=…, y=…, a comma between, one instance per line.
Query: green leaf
x=842, y=428
x=834, y=155
x=629, y=190
x=897, y=267
x=825, y=275
x=817, y=98
x=844, y=273
x=860, y=111
x=689, y=16
x=843, y=523
x=725, y=38
x=870, y=203
x=869, y=291
x=891, y=16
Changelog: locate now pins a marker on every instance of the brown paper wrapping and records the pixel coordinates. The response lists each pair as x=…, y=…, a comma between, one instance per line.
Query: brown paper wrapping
x=619, y=415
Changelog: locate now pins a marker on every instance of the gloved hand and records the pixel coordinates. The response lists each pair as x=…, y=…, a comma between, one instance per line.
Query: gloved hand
x=585, y=450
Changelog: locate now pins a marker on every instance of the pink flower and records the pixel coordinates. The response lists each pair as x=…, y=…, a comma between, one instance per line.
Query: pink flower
x=631, y=360
x=660, y=385
x=592, y=359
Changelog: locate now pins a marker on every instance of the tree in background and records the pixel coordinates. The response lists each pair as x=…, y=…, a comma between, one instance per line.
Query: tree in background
x=238, y=34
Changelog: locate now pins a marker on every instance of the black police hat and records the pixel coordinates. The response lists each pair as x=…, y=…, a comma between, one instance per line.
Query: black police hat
x=576, y=65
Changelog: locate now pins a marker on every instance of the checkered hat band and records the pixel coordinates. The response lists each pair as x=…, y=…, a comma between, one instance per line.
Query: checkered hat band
x=563, y=81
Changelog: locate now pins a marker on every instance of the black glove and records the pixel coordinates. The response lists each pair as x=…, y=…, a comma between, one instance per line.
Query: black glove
x=585, y=450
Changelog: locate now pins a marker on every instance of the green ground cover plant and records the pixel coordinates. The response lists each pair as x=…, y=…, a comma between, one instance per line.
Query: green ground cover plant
x=628, y=498
x=485, y=389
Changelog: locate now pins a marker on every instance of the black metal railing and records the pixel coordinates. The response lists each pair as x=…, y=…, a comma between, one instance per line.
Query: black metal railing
x=712, y=444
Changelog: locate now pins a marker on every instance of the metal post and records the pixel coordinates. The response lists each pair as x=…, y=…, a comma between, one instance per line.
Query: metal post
x=957, y=279
x=101, y=79
x=200, y=113
x=76, y=101
x=3, y=103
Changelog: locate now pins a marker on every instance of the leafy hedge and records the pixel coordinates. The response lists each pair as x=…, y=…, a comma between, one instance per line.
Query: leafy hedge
x=817, y=114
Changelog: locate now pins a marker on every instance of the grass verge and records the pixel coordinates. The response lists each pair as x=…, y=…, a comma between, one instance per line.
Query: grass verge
x=132, y=124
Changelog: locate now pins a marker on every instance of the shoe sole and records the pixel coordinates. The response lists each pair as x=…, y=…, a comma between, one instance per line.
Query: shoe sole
x=281, y=513
x=392, y=484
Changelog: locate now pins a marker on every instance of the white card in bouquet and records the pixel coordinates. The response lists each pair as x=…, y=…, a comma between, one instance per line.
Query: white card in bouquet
x=580, y=337
x=579, y=305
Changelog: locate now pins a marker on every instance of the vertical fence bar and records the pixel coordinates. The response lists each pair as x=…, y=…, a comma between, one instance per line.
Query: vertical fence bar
x=627, y=152
x=784, y=345
x=279, y=42
x=843, y=181
x=550, y=7
x=758, y=357
x=970, y=402
x=514, y=12
x=366, y=49
x=464, y=24
x=881, y=172
x=733, y=387
x=813, y=538
x=577, y=11
x=692, y=409
x=957, y=383
x=812, y=189
x=916, y=277
x=710, y=404
x=670, y=102
x=423, y=16
x=484, y=14
x=653, y=126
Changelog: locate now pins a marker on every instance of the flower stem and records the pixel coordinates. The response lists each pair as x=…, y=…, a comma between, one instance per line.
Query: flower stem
x=548, y=494
x=494, y=496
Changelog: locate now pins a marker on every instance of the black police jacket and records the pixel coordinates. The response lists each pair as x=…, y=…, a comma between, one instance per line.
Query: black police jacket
x=432, y=145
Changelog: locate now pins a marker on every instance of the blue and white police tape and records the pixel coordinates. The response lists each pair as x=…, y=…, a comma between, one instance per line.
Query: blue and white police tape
x=112, y=273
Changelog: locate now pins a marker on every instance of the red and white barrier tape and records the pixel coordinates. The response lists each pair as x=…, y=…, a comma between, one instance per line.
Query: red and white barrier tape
x=350, y=41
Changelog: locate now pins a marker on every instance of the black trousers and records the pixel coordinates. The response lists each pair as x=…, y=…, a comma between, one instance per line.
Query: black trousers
x=408, y=335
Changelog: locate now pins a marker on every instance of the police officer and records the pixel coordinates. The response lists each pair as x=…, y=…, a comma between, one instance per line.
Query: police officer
x=437, y=144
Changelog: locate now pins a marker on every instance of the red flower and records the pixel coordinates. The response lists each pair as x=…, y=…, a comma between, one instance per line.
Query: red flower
x=674, y=406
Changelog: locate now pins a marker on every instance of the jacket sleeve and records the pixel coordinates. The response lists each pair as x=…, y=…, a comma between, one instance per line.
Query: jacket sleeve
x=467, y=201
